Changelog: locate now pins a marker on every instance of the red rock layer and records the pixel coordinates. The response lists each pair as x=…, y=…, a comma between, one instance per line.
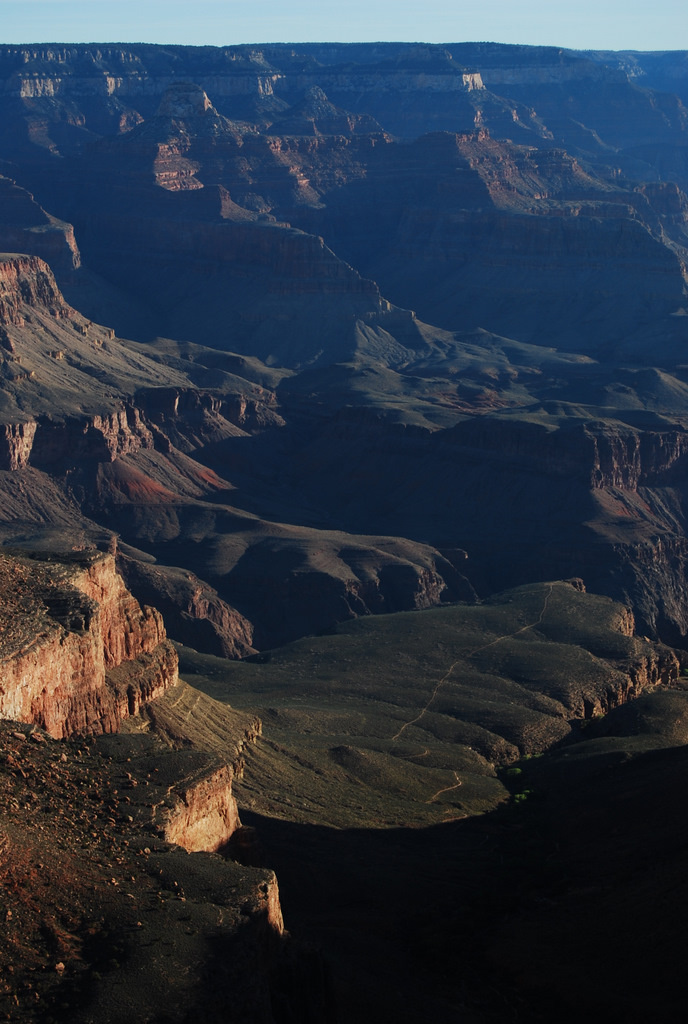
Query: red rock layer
x=206, y=814
x=63, y=628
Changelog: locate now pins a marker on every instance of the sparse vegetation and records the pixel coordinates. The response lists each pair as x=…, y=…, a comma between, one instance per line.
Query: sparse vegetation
x=408, y=717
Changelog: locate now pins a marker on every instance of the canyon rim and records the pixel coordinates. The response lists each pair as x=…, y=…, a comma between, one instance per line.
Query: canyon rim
x=343, y=543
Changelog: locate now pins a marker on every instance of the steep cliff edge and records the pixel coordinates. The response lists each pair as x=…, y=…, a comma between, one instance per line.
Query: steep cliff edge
x=93, y=892
x=26, y=280
x=79, y=656
x=26, y=227
x=66, y=626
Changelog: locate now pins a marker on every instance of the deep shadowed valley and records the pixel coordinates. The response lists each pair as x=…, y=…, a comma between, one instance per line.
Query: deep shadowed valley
x=343, y=526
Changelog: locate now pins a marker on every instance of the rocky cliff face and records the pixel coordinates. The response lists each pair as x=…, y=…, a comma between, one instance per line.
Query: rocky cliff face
x=26, y=228
x=104, y=438
x=81, y=826
x=16, y=442
x=45, y=443
x=603, y=455
x=80, y=656
x=450, y=210
x=206, y=814
x=27, y=280
x=194, y=612
x=66, y=626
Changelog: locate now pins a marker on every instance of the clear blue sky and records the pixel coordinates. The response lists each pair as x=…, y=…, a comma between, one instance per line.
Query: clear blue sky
x=581, y=24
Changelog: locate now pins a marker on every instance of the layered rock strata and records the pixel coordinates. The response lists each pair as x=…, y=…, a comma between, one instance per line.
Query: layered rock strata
x=193, y=805
x=600, y=454
x=28, y=280
x=181, y=795
x=26, y=227
x=194, y=612
x=66, y=627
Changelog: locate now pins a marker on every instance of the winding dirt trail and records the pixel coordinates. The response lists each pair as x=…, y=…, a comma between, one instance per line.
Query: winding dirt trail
x=447, y=789
x=469, y=654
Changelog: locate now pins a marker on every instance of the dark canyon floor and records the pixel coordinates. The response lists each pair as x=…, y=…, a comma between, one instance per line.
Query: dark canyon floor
x=366, y=366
